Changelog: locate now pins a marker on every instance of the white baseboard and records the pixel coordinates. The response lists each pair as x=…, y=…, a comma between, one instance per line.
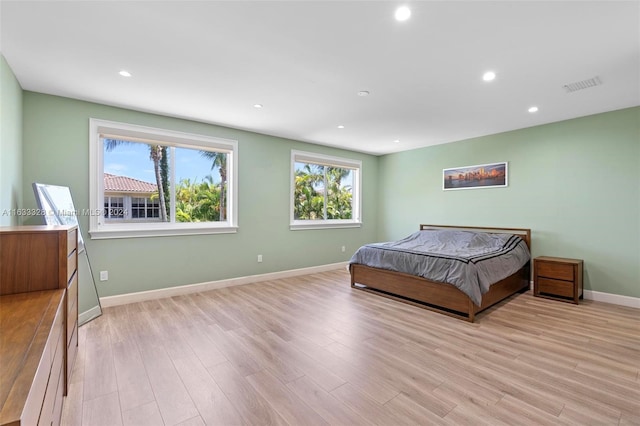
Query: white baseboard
x=123, y=299
x=87, y=316
x=615, y=299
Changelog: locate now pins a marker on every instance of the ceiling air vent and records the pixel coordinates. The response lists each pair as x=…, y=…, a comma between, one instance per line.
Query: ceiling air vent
x=581, y=85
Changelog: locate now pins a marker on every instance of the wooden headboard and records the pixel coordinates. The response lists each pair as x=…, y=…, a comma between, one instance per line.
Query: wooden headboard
x=524, y=233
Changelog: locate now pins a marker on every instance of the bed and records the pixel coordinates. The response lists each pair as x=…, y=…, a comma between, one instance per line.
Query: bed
x=442, y=296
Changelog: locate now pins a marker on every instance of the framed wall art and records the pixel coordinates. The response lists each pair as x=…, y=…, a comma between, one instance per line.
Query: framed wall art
x=474, y=177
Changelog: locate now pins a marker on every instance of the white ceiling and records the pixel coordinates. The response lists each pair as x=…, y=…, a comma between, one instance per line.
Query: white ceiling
x=305, y=61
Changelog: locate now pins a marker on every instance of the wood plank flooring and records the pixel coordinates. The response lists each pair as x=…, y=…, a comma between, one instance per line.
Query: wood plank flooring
x=310, y=350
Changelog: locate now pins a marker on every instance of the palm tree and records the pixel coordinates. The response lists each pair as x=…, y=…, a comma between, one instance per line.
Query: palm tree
x=338, y=197
x=309, y=203
x=164, y=173
x=338, y=173
x=219, y=160
x=155, y=154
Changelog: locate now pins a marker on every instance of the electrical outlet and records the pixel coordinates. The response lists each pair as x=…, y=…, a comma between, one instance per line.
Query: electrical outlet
x=259, y=258
x=104, y=275
x=344, y=249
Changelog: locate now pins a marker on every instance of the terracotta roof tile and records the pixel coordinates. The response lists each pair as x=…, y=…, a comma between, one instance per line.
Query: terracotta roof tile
x=114, y=183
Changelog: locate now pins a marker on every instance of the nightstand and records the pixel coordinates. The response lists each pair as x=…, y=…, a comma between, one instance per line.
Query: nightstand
x=558, y=278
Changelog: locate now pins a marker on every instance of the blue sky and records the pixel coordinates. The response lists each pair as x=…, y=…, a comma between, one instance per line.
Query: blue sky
x=132, y=160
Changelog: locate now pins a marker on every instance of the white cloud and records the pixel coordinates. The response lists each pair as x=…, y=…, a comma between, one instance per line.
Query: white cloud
x=114, y=168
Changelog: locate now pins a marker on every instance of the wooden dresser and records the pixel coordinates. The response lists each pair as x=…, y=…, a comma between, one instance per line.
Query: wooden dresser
x=32, y=352
x=39, y=321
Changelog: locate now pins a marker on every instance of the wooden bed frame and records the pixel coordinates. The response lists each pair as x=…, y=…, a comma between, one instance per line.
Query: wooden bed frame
x=439, y=297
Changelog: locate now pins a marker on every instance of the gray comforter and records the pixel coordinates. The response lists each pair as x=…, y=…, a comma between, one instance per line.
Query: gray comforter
x=471, y=261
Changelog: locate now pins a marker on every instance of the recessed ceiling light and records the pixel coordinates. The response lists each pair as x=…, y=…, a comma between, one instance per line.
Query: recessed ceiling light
x=340, y=126
x=125, y=73
x=533, y=109
x=396, y=141
x=363, y=93
x=257, y=105
x=403, y=13
x=489, y=76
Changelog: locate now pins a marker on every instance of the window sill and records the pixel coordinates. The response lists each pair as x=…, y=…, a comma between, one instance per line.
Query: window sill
x=304, y=225
x=155, y=231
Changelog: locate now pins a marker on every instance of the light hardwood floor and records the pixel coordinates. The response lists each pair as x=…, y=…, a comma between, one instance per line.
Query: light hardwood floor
x=312, y=351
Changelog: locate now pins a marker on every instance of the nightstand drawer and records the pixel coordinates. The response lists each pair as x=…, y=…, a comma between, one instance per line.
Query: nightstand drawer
x=555, y=287
x=559, y=271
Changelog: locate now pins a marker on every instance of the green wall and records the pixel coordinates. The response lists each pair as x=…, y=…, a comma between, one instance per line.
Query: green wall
x=574, y=183
x=10, y=145
x=56, y=151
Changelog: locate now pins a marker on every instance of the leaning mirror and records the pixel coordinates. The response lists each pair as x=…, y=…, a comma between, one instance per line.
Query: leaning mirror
x=59, y=209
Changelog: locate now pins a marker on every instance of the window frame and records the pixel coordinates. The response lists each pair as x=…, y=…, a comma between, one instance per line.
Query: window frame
x=330, y=161
x=100, y=229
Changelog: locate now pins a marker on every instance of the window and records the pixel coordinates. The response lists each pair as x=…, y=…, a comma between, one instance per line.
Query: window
x=114, y=207
x=325, y=191
x=145, y=208
x=149, y=182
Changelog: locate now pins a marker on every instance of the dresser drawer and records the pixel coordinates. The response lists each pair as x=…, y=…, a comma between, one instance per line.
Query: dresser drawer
x=50, y=396
x=72, y=264
x=57, y=405
x=555, y=287
x=57, y=332
x=72, y=297
x=72, y=321
x=72, y=241
x=33, y=403
x=72, y=353
x=559, y=271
